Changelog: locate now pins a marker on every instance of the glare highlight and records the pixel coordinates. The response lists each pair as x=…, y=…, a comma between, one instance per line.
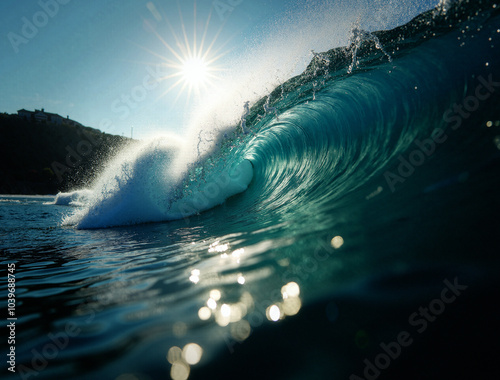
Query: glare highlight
x=337, y=242
x=191, y=60
x=192, y=353
x=273, y=313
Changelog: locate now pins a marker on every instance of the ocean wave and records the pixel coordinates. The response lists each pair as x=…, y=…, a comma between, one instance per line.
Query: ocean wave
x=316, y=137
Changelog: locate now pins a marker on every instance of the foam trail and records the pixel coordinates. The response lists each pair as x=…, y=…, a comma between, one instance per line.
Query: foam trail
x=74, y=198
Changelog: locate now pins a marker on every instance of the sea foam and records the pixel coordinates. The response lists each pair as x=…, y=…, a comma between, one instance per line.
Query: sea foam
x=73, y=198
x=152, y=181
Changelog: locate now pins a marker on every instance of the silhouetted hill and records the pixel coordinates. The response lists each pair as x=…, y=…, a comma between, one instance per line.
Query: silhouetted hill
x=44, y=158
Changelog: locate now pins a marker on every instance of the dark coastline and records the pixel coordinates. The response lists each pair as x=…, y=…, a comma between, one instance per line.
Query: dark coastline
x=40, y=158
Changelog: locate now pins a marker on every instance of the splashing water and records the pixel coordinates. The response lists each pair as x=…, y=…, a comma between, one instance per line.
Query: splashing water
x=359, y=37
x=246, y=112
x=445, y=5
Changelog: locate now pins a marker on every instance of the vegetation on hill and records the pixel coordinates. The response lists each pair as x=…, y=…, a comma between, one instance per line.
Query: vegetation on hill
x=44, y=158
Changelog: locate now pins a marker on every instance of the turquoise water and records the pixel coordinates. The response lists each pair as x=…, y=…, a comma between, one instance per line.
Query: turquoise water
x=359, y=193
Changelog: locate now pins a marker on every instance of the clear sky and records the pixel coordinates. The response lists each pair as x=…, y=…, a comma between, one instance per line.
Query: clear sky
x=117, y=64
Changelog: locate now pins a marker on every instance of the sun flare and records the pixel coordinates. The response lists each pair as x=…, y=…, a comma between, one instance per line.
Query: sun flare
x=192, y=62
x=195, y=71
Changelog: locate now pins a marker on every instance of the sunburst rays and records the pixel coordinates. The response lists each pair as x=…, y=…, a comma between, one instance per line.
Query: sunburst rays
x=192, y=64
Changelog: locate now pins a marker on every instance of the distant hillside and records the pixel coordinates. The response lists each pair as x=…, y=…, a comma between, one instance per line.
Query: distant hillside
x=44, y=158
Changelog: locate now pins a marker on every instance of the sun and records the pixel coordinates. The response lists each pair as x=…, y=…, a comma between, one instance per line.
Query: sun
x=195, y=71
x=192, y=62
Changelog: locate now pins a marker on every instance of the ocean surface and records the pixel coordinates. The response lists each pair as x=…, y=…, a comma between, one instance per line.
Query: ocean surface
x=347, y=228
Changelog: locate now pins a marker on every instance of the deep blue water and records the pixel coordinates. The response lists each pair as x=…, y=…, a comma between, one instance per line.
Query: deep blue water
x=369, y=194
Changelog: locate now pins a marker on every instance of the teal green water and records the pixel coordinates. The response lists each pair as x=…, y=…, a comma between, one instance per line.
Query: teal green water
x=370, y=190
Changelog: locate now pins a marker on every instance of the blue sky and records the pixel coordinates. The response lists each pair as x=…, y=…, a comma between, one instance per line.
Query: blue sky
x=115, y=64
